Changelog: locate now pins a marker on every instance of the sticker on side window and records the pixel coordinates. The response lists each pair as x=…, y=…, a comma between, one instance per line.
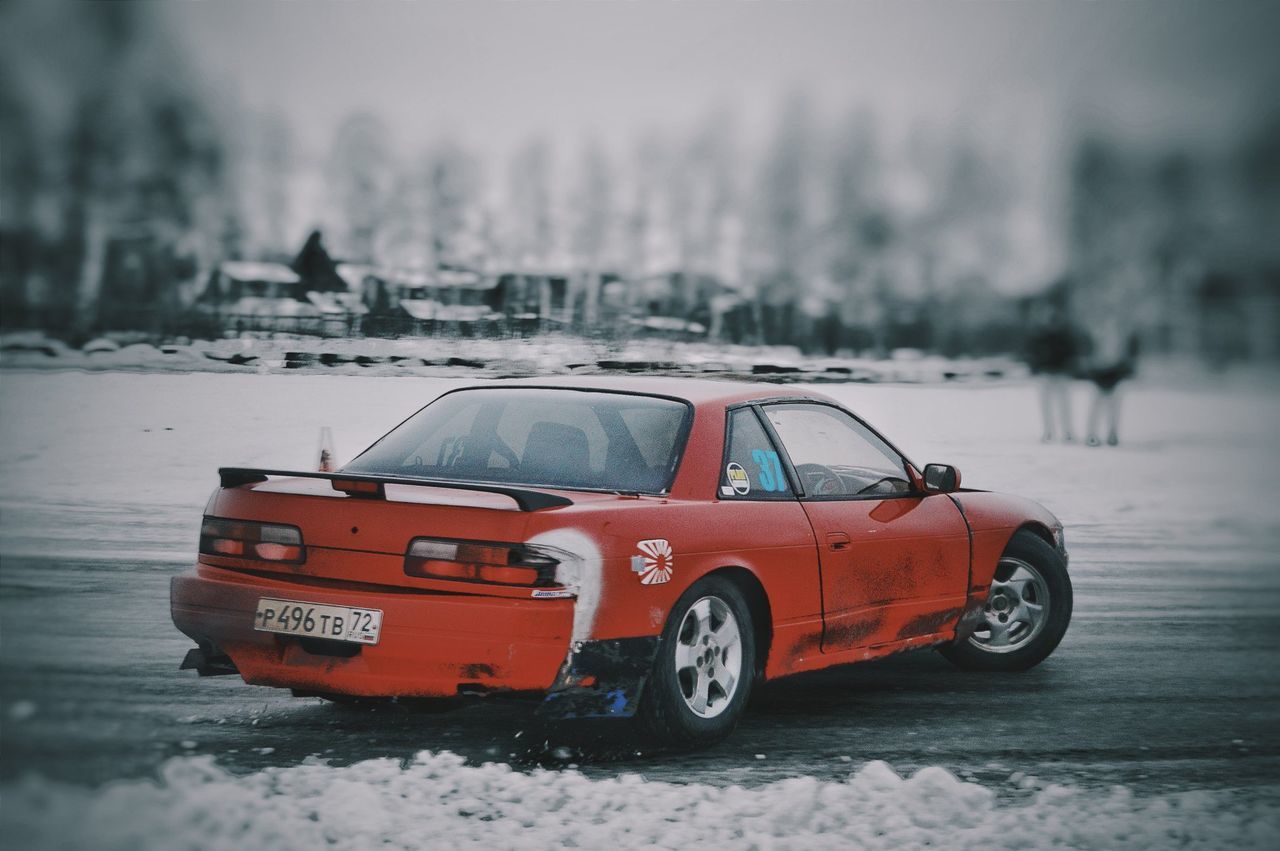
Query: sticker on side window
x=770, y=470
x=738, y=480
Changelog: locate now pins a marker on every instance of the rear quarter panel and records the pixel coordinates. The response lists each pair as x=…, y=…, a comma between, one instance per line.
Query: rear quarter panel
x=771, y=540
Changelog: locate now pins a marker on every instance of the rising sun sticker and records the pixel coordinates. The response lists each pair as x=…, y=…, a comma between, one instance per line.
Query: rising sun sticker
x=655, y=562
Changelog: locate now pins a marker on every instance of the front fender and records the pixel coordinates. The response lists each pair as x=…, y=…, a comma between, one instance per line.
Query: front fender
x=994, y=518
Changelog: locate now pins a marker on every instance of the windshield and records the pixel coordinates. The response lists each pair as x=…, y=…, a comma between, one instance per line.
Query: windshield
x=573, y=439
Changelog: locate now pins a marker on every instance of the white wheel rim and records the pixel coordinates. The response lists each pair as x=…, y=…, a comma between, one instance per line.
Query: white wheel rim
x=1017, y=608
x=708, y=655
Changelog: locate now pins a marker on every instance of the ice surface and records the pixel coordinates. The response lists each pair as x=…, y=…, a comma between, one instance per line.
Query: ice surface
x=88, y=451
x=437, y=801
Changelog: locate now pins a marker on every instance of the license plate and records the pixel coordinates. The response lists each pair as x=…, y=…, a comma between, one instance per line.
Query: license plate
x=316, y=620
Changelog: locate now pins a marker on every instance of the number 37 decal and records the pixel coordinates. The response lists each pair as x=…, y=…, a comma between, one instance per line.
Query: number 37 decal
x=770, y=475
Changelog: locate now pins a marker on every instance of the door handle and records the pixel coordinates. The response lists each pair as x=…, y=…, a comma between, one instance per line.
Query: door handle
x=838, y=541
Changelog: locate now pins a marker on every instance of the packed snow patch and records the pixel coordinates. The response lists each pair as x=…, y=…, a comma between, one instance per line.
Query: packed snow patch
x=436, y=800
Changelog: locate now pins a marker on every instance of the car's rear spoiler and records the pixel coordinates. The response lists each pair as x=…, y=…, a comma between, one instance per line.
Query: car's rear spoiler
x=372, y=487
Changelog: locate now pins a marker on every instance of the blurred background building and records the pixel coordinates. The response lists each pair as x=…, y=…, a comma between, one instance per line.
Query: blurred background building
x=918, y=180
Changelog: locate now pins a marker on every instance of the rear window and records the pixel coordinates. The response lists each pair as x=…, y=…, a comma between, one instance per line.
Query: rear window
x=555, y=438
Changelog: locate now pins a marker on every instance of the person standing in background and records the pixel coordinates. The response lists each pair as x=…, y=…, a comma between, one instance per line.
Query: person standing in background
x=1052, y=354
x=1113, y=358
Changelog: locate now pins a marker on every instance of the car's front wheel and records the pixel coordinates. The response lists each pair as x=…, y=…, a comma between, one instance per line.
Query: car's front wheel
x=1026, y=613
x=705, y=667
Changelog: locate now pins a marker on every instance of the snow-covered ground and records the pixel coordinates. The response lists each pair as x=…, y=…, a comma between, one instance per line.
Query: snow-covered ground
x=1176, y=526
x=485, y=357
x=436, y=801
x=83, y=451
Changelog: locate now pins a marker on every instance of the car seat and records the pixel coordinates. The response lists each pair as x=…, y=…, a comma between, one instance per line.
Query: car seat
x=555, y=453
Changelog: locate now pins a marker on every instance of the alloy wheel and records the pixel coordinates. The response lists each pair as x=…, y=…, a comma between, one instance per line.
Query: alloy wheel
x=1016, y=610
x=708, y=656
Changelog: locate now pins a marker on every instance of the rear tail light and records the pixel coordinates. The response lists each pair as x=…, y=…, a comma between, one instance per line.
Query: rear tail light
x=478, y=561
x=355, y=487
x=247, y=539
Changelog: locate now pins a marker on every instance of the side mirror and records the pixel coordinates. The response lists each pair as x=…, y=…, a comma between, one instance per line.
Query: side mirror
x=941, y=478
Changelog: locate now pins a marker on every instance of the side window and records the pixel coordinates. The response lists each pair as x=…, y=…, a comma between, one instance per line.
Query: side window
x=834, y=454
x=752, y=468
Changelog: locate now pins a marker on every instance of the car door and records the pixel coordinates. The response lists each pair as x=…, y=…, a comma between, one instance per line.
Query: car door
x=759, y=523
x=894, y=560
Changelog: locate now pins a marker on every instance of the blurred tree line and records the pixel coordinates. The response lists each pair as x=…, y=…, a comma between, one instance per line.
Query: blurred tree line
x=113, y=175
x=123, y=183
x=824, y=236
x=1181, y=243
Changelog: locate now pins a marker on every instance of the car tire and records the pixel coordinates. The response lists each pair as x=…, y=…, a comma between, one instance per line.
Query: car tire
x=706, y=658
x=1027, y=612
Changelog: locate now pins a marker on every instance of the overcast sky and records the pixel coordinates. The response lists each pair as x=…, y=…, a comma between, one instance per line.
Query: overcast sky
x=492, y=74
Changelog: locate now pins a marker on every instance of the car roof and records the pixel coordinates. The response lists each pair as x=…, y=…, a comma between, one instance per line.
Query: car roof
x=696, y=391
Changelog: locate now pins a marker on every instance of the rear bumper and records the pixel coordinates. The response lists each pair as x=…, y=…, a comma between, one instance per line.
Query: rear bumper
x=430, y=645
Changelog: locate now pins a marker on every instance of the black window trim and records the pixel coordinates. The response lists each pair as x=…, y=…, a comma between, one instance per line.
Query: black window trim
x=677, y=457
x=912, y=493
x=797, y=484
x=764, y=496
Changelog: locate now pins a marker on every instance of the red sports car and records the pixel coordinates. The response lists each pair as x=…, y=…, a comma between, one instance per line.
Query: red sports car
x=650, y=547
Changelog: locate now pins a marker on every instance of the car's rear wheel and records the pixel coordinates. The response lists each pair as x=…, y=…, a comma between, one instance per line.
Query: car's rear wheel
x=1026, y=613
x=705, y=668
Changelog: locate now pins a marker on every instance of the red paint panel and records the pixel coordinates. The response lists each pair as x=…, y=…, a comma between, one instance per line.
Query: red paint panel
x=770, y=540
x=902, y=574
x=334, y=520
x=430, y=644
x=994, y=517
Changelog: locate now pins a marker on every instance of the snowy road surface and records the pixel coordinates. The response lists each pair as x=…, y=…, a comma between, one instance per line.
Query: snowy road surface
x=1166, y=682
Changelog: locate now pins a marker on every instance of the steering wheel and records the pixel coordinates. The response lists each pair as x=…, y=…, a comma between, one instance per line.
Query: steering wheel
x=877, y=483
x=820, y=480
x=454, y=450
x=500, y=446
